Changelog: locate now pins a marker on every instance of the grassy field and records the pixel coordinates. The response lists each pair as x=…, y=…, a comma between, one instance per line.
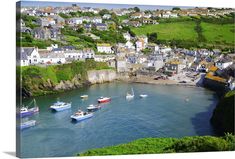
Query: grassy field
x=217, y=33
x=169, y=31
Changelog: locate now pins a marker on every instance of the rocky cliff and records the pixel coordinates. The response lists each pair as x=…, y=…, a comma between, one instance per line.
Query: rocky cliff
x=101, y=76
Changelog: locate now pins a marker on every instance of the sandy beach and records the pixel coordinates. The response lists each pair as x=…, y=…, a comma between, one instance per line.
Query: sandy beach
x=151, y=80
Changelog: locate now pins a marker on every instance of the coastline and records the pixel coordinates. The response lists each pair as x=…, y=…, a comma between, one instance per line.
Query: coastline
x=151, y=80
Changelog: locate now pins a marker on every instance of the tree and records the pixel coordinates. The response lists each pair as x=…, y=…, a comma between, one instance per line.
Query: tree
x=176, y=8
x=152, y=37
x=103, y=12
x=136, y=9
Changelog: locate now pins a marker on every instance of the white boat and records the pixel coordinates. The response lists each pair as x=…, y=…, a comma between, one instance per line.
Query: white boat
x=80, y=115
x=143, y=95
x=27, y=124
x=130, y=96
x=25, y=111
x=93, y=107
x=84, y=96
x=60, y=106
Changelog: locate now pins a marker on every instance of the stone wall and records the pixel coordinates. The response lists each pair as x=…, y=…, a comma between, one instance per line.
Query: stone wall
x=101, y=76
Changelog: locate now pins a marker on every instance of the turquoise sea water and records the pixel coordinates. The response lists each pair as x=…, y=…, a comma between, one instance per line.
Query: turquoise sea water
x=164, y=113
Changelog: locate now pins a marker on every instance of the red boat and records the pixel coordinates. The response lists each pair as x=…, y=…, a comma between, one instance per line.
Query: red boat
x=104, y=99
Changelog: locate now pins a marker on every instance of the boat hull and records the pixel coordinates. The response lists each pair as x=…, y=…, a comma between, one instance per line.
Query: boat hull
x=30, y=112
x=80, y=118
x=27, y=124
x=93, y=109
x=104, y=101
x=58, y=109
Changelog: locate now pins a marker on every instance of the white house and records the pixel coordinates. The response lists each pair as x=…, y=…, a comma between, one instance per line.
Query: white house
x=104, y=58
x=73, y=21
x=88, y=53
x=96, y=20
x=139, y=45
x=127, y=36
x=52, y=58
x=104, y=48
x=129, y=45
x=73, y=54
x=106, y=16
x=29, y=56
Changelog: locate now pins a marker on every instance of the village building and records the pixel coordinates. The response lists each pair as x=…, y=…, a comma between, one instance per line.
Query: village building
x=28, y=56
x=45, y=21
x=101, y=26
x=104, y=48
x=106, y=16
x=47, y=57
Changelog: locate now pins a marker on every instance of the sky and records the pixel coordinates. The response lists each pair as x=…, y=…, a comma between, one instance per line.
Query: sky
x=95, y=5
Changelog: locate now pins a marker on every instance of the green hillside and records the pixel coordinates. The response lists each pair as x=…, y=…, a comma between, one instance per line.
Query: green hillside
x=167, y=145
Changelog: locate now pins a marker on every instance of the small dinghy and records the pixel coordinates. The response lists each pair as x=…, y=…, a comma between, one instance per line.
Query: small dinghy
x=104, y=99
x=92, y=107
x=84, y=96
x=143, y=95
x=60, y=106
x=27, y=124
x=80, y=115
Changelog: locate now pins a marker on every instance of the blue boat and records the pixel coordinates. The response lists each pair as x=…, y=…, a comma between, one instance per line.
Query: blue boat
x=60, y=106
x=27, y=124
x=25, y=111
x=80, y=115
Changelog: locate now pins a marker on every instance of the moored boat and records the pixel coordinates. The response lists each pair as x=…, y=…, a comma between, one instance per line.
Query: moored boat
x=27, y=124
x=104, y=99
x=130, y=96
x=25, y=111
x=84, y=96
x=60, y=106
x=143, y=95
x=80, y=115
x=93, y=107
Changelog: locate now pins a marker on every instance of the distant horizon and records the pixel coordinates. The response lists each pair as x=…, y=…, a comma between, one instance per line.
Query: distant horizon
x=99, y=5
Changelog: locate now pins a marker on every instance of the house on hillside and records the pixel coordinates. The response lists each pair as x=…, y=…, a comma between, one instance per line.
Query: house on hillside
x=136, y=15
x=45, y=21
x=101, y=26
x=104, y=48
x=45, y=33
x=106, y=16
x=28, y=56
x=47, y=57
x=74, y=21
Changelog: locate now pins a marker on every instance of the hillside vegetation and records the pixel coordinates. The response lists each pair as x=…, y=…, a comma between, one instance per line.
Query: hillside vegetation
x=223, y=115
x=168, y=145
x=41, y=80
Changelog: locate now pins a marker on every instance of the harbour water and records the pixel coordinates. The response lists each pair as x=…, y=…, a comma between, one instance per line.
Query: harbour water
x=164, y=113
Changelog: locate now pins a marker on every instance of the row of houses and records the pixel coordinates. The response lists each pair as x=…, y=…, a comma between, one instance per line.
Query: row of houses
x=33, y=56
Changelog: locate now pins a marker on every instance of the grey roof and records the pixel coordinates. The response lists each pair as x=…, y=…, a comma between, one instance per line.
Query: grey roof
x=101, y=24
x=68, y=47
x=27, y=50
x=24, y=29
x=23, y=52
x=52, y=55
